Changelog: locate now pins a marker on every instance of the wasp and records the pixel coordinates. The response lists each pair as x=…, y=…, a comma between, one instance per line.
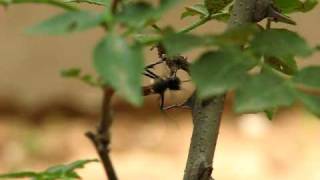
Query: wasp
x=162, y=85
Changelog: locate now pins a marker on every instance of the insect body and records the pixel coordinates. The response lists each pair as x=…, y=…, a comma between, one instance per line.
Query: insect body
x=161, y=85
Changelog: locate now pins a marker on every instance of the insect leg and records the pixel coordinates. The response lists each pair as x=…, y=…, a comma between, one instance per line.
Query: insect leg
x=152, y=74
x=149, y=76
x=162, y=101
x=153, y=64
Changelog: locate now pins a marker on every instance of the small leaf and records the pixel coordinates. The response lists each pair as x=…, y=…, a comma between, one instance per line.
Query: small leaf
x=67, y=22
x=262, y=92
x=280, y=43
x=120, y=66
x=197, y=9
x=309, y=76
x=291, y=6
x=73, y=72
x=219, y=71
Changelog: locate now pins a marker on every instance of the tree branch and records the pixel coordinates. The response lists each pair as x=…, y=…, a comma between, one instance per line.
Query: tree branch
x=207, y=113
x=102, y=137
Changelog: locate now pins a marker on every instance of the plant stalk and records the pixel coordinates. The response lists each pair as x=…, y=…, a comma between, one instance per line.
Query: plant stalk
x=207, y=113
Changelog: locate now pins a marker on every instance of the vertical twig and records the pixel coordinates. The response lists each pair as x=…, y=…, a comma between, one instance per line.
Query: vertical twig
x=207, y=113
x=102, y=137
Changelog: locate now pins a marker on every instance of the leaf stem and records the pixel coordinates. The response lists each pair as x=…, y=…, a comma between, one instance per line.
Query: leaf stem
x=201, y=22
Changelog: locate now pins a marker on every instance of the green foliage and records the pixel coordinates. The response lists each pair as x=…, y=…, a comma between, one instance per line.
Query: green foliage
x=214, y=6
x=58, y=172
x=197, y=9
x=218, y=71
x=68, y=22
x=86, y=78
x=264, y=91
x=120, y=65
x=290, y=6
x=280, y=43
x=309, y=77
x=56, y=3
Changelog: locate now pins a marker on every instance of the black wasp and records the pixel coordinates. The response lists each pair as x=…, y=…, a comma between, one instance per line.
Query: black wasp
x=162, y=84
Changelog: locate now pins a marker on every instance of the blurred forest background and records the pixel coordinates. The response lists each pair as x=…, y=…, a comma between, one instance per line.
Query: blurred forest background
x=43, y=117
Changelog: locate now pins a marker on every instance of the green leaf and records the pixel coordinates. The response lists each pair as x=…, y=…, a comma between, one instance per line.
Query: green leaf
x=219, y=71
x=72, y=72
x=311, y=102
x=120, y=66
x=147, y=39
x=59, y=172
x=308, y=5
x=197, y=9
x=19, y=175
x=176, y=43
x=215, y=6
x=285, y=65
x=263, y=92
x=63, y=169
x=67, y=22
x=291, y=6
x=309, y=77
x=137, y=14
x=280, y=43
x=76, y=73
x=56, y=3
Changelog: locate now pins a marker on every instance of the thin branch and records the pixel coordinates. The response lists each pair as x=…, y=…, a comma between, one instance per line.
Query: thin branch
x=102, y=137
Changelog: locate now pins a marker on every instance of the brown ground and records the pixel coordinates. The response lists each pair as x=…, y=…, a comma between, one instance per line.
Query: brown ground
x=152, y=146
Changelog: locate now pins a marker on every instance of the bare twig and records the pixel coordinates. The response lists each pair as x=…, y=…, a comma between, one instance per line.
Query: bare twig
x=102, y=137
